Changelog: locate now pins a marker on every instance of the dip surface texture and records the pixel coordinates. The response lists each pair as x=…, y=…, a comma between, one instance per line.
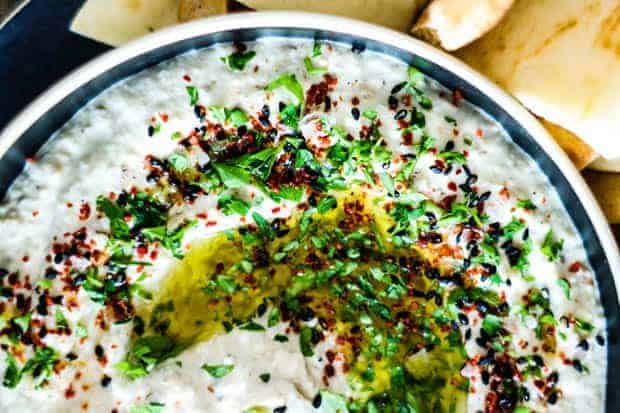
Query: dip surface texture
x=284, y=226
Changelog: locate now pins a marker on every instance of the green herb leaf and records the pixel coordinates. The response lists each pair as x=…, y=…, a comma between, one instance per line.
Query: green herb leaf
x=565, y=286
x=326, y=204
x=236, y=116
x=316, y=50
x=335, y=403
x=550, y=248
x=252, y=326
x=218, y=113
x=61, y=321
x=232, y=176
x=12, y=374
x=179, y=162
x=218, y=370
x=263, y=226
x=305, y=341
x=452, y=157
x=312, y=69
x=290, y=83
x=512, y=228
x=526, y=204
x=152, y=407
x=492, y=324
x=237, y=61
x=289, y=116
x=371, y=115
x=192, y=91
x=230, y=204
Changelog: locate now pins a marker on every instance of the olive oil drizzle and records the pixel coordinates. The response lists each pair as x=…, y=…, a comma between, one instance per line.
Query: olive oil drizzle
x=384, y=303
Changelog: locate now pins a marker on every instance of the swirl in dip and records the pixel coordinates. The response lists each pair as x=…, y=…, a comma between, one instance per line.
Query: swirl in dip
x=285, y=226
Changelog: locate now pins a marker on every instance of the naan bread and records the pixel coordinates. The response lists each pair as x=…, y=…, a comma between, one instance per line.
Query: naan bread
x=606, y=188
x=194, y=9
x=561, y=59
x=115, y=22
x=452, y=24
x=396, y=14
x=577, y=150
x=609, y=165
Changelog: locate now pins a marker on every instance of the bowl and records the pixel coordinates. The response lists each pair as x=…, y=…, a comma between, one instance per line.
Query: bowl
x=31, y=128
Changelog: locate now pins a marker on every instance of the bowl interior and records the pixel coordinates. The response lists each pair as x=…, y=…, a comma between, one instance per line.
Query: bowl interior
x=27, y=145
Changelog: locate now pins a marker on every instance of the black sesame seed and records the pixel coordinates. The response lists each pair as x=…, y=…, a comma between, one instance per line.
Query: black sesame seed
x=393, y=102
x=355, y=112
x=99, y=351
x=398, y=88
x=265, y=111
x=106, y=380
x=71, y=356
x=280, y=409
x=463, y=319
x=538, y=360
x=600, y=340
x=485, y=377
x=401, y=114
x=151, y=130
x=553, y=398
x=316, y=402
x=577, y=365
x=50, y=273
x=583, y=344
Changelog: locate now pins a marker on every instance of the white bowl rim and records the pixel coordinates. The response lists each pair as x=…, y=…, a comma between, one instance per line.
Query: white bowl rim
x=315, y=21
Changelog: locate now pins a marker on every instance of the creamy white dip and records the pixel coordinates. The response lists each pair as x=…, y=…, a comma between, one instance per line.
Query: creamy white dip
x=102, y=150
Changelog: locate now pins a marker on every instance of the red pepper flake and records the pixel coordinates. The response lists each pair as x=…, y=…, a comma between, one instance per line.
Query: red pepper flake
x=154, y=255
x=69, y=392
x=84, y=211
x=355, y=101
x=211, y=223
x=25, y=258
x=69, y=205
x=164, y=117
x=141, y=251
x=457, y=97
x=275, y=210
x=35, y=213
x=187, y=78
x=576, y=266
x=479, y=133
x=451, y=186
x=504, y=193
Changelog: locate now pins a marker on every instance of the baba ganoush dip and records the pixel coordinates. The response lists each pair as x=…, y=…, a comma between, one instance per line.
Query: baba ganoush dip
x=290, y=226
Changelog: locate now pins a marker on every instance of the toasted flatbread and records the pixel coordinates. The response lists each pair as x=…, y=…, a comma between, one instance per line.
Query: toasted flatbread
x=606, y=165
x=396, y=14
x=452, y=24
x=194, y=9
x=606, y=188
x=115, y=22
x=577, y=150
x=561, y=59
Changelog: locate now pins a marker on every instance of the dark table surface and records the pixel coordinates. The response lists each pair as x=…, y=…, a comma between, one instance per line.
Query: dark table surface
x=7, y=5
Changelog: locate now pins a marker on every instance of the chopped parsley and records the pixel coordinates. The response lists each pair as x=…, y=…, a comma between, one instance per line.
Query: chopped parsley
x=238, y=60
x=217, y=371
